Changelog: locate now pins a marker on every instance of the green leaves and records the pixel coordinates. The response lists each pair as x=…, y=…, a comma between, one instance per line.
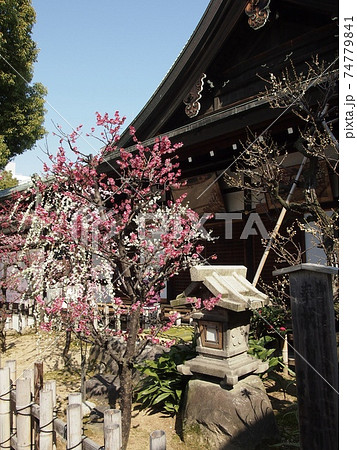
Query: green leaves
x=7, y=180
x=263, y=349
x=162, y=387
x=270, y=318
x=22, y=103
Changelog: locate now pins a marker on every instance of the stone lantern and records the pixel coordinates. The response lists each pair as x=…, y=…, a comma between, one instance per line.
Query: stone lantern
x=223, y=332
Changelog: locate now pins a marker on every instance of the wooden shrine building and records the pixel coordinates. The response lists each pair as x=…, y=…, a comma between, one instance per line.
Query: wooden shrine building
x=210, y=97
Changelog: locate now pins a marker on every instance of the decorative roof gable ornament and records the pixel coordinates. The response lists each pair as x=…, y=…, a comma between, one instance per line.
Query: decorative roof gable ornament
x=258, y=12
x=192, y=99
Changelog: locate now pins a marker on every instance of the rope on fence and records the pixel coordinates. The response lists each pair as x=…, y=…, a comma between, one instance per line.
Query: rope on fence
x=8, y=440
x=22, y=408
x=4, y=394
x=19, y=402
x=42, y=429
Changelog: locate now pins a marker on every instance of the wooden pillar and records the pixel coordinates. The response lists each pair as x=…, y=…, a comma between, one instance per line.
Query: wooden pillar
x=316, y=364
x=38, y=385
x=38, y=380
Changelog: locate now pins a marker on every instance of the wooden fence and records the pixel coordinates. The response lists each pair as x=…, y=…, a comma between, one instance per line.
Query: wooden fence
x=20, y=316
x=28, y=416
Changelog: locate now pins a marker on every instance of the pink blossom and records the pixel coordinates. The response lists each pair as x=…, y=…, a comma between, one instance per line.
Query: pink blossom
x=46, y=326
x=87, y=226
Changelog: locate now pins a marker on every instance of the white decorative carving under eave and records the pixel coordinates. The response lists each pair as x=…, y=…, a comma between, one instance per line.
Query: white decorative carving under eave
x=191, y=101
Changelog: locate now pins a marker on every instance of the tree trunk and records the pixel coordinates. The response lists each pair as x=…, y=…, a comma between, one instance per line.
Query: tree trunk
x=83, y=370
x=2, y=329
x=126, y=372
x=65, y=353
x=2, y=335
x=126, y=400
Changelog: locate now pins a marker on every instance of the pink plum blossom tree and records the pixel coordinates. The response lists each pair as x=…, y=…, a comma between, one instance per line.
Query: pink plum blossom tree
x=109, y=236
x=12, y=284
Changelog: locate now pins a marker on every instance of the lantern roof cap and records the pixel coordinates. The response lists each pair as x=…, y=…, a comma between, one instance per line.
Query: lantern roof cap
x=228, y=282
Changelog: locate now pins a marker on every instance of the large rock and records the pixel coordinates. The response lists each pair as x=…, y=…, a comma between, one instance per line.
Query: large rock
x=104, y=387
x=98, y=358
x=239, y=418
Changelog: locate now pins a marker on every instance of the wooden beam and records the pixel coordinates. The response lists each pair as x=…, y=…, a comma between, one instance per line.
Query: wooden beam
x=324, y=6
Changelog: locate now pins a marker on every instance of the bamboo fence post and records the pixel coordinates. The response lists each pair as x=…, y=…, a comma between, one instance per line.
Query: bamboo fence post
x=112, y=417
x=158, y=440
x=74, y=427
x=75, y=398
x=112, y=437
x=30, y=373
x=5, y=388
x=11, y=363
x=23, y=411
x=50, y=385
x=46, y=420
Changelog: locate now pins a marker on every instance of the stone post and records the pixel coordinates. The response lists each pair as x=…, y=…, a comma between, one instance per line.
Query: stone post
x=315, y=354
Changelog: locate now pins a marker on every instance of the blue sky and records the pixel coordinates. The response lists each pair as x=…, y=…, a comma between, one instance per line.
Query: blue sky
x=103, y=56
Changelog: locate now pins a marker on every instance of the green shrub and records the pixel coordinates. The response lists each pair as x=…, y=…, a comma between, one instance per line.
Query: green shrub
x=268, y=319
x=264, y=349
x=267, y=348
x=162, y=386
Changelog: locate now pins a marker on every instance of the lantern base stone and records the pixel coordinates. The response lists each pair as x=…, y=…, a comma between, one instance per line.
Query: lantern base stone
x=230, y=369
